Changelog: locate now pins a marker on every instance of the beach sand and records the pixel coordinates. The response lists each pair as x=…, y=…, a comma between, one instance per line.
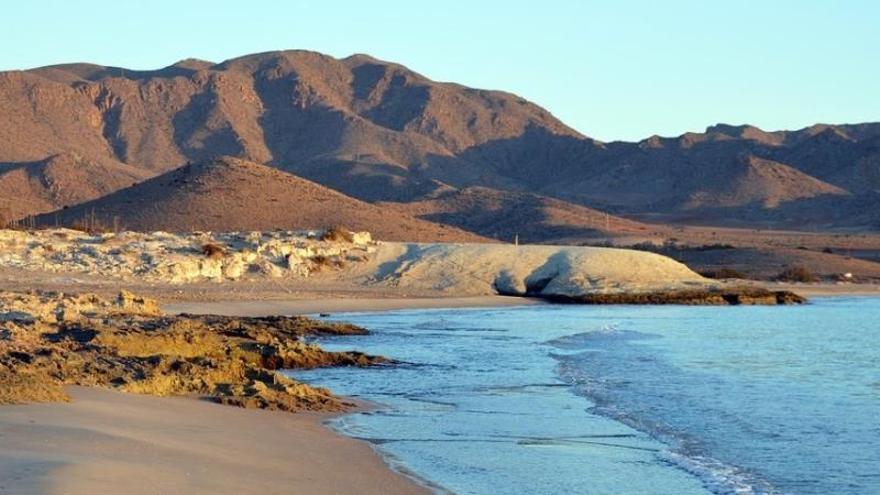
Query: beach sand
x=108, y=442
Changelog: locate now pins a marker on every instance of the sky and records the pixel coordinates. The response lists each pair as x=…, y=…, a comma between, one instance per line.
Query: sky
x=613, y=70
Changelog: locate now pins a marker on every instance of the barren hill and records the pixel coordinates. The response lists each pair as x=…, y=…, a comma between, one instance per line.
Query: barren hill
x=506, y=215
x=378, y=131
x=229, y=194
x=58, y=181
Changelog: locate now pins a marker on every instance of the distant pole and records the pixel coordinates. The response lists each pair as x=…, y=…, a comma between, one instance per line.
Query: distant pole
x=607, y=221
x=516, y=240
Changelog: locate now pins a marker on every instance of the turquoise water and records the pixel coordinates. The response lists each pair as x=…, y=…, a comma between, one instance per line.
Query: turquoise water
x=624, y=399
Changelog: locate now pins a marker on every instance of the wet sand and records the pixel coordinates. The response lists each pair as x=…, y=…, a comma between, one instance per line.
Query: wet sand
x=108, y=442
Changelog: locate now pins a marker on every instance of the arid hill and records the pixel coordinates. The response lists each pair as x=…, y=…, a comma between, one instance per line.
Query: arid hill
x=378, y=131
x=508, y=215
x=228, y=194
x=59, y=181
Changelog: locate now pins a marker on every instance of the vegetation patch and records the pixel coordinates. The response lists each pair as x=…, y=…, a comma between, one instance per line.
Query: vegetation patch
x=213, y=250
x=797, y=274
x=337, y=234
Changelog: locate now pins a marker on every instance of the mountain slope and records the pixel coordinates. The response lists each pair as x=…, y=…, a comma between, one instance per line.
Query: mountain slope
x=378, y=131
x=229, y=194
x=531, y=218
x=59, y=181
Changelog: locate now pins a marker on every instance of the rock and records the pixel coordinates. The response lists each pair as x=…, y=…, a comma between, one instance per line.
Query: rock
x=174, y=258
x=508, y=284
x=132, y=304
x=361, y=238
x=127, y=344
x=17, y=317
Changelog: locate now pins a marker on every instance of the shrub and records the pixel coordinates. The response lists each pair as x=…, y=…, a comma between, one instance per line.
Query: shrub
x=92, y=224
x=213, y=250
x=337, y=234
x=321, y=261
x=796, y=274
x=5, y=217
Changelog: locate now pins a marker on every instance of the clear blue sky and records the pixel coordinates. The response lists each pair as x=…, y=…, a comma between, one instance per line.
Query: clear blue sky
x=611, y=69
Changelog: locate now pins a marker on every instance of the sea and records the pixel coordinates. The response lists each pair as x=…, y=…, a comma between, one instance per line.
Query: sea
x=567, y=399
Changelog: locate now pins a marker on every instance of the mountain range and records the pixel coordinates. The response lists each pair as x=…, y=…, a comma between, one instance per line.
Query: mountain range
x=486, y=162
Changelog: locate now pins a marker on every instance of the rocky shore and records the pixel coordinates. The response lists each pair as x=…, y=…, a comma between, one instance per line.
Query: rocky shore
x=164, y=257
x=51, y=339
x=730, y=296
x=344, y=261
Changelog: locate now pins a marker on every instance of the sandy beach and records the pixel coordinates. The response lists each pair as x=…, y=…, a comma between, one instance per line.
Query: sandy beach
x=109, y=442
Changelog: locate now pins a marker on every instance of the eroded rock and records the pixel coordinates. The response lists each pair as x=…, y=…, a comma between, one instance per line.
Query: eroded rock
x=179, y=258
x=52, y=339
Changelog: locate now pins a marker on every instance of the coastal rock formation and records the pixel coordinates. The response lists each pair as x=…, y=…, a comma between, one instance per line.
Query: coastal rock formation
x=182, y=258
x=587, y=275
x=354, y=260
x=532, y=270
x=48, y=340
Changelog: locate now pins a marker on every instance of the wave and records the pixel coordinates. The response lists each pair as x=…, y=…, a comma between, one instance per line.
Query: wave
x=606, y=367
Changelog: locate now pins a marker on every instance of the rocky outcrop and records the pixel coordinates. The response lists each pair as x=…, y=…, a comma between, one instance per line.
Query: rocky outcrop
x=344, y=259
x=181, y=258
x=48, y=340
x=733, y=296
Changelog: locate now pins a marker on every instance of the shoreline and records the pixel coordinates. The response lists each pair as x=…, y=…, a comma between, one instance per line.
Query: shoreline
x=106, y=442
x=828, y=290
x=343, y=305
x=110, y=441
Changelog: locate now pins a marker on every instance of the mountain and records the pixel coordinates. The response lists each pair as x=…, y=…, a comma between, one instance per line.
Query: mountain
x=375, y=124
x=229, y=194
x=531, y=218
x=58, y=181
x=380, y=132
x=732, y=173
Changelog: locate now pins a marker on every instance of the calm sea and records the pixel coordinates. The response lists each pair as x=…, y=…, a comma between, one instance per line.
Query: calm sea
x=623, y=399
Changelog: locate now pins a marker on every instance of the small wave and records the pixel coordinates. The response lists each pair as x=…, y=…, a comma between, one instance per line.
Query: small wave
x=718, y=477
x=603, y=334
x=607, y=380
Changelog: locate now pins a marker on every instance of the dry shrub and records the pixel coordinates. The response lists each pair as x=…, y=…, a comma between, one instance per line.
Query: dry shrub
x=91, y=224
x=321, y=261
x=337, y=234
x=797, y=274
x=5, y=217
x=213, y=250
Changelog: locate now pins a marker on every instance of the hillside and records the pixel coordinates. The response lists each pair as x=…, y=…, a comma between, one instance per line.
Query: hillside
x=59, y=181
x=506, y=215
x=378, y=131
x=229, y=194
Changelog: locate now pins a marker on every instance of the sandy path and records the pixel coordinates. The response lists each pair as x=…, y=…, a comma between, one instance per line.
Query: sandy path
x=107, y=442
